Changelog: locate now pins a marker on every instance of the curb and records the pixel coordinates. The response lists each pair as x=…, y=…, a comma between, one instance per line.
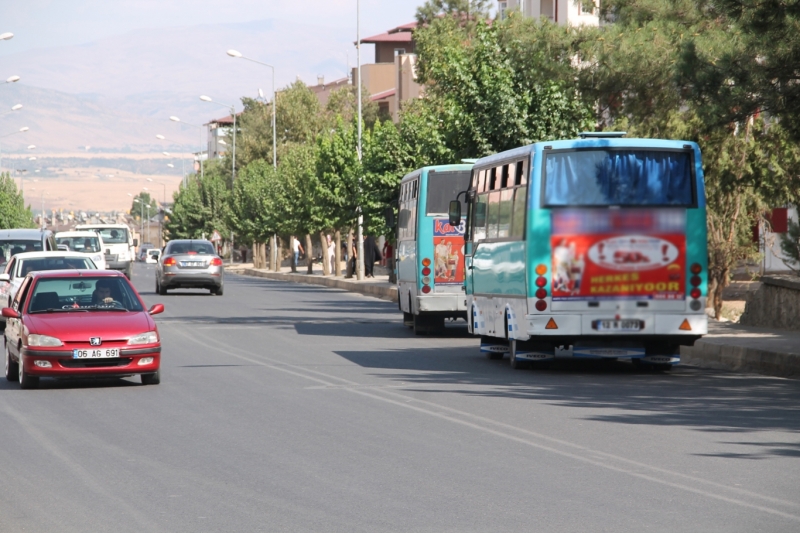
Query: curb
x=710, y=354
x=378, y=291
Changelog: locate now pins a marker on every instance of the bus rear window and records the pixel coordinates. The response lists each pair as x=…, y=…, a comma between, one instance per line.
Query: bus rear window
x=443, y=187
x=618, y=178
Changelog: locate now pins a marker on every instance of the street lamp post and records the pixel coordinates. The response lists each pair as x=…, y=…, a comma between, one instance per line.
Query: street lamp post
x=235, y=53
x=200, y=154
x=360, y=238
x=205, y=98
x=21, y=130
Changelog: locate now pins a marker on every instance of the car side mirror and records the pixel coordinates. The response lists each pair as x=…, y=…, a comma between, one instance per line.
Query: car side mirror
x=454, y=213
x=10, y=313
x=157, y=309
x=136, y=242
x=5, y=277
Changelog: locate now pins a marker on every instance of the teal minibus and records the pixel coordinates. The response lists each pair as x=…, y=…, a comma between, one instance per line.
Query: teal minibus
x=430, y=249
x=587, y=248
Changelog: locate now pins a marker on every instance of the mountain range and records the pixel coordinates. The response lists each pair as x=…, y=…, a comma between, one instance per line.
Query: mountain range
x=117, y=93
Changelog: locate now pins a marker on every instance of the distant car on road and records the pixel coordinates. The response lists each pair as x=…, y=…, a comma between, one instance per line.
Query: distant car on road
x=190, y=264
x=86, y=242
x=19, y=266
x=83, y=323
x=143, y=249
x=153, y=256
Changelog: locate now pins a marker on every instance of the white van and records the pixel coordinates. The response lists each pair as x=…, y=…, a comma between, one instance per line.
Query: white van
x=88, y=243
x=118, y=245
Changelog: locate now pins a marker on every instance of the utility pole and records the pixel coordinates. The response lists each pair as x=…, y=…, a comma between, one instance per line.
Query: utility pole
x=360, y=236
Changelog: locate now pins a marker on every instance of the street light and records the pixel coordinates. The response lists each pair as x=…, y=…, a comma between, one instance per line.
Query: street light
x=170, y=165
x=12, y=79
x=200, y=153
x=21, y=130
x=360, y=238
x=237, y=54
x=6, y=36
x=205, y=98
x=13, y=108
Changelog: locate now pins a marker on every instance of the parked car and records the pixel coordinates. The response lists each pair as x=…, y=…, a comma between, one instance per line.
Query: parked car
x=81, y=323
x=86, y=242
x=153, y=256
x=19, y=266
x=17, y=241
x=190, y=264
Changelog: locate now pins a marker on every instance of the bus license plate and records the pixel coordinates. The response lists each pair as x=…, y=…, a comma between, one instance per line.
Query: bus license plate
x=104, y=353
x=619, y=325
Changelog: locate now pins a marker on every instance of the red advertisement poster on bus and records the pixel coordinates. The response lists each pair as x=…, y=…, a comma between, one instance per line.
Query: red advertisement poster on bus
x=448, y=253
x=643, y=259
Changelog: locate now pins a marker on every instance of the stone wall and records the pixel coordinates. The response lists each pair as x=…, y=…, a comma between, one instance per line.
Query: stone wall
x=776, y=304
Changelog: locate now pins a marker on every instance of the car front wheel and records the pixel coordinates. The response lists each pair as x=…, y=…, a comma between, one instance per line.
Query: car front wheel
x=26, y=381
x=12, y=370
x=152, y=379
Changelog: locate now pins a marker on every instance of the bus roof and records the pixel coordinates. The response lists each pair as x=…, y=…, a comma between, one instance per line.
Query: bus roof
x=594, y=142
x=437, y=168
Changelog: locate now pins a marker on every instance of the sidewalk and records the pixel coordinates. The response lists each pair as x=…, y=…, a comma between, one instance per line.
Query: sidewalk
x=378, y=286
x=773, y=352
x=727, y=346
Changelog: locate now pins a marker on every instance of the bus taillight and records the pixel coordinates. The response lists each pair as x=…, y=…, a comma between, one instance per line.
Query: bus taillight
x=695, y=293
x=541, y=292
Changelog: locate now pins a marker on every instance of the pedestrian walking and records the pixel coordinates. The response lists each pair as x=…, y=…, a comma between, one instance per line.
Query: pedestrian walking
x=331, y=253
x=371, y=255
x=297, y=248
x=351, y=263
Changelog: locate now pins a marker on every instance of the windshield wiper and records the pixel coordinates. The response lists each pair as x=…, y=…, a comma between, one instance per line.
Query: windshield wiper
x=98, y=308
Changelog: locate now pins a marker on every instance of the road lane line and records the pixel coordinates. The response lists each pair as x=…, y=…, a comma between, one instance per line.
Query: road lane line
x=303, y=372
x=80, y=472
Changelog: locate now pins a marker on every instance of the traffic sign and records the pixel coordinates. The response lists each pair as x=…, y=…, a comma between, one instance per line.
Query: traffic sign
x=216, y=237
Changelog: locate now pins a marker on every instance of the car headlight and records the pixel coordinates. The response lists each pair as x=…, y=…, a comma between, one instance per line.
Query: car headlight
x=145, y=338
x=43, y=340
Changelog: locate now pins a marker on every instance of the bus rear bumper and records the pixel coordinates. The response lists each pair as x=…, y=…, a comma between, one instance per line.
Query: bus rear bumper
x=677, y=328
x=442, y=303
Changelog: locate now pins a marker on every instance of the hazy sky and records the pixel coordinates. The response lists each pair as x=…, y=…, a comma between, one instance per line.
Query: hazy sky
x=46, y=23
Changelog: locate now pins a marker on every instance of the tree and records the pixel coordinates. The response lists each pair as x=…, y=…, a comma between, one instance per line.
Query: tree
x=343, y=103
x=484, y=100
x=755, y=70
x=790, y=246
x=201, y=206
x=140, y=203
x=13, y=213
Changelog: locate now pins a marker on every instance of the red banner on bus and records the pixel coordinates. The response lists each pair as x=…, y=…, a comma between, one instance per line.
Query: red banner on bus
x=633, y=262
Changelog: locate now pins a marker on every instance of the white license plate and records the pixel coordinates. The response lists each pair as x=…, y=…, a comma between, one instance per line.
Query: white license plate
x=192, y=263
x=619, y=325
x=101, y=353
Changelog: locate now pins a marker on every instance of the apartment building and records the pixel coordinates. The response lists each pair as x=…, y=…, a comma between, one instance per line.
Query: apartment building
x=562, y=12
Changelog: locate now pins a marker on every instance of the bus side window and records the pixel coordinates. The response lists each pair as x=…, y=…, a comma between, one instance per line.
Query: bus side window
x=493, y=215
x=481, y=182
x=479, y=226
x=491, y=179
x=504, y=180
x=506, y=209
x=522, y=173
x=518, y=219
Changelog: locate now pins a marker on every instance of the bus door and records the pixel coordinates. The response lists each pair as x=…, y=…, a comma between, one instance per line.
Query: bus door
x=407, y=233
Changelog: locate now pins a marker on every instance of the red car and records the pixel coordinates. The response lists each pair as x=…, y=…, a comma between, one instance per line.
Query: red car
x=80, y=323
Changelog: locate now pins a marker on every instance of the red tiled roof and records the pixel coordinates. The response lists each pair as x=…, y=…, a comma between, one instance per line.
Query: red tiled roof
x=400, y=34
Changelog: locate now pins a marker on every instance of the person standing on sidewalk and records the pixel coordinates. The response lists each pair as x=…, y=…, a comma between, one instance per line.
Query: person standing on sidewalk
x=297, y=248
x=331, y=251
x=371, y=254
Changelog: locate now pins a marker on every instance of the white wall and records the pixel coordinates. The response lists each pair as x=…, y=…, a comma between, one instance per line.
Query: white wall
x=771, y=248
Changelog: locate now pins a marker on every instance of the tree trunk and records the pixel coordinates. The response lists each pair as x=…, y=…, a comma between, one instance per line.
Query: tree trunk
x=262, y=254
x=272, y=252
x=309, y=255
x=326, y=262
x=277, y=254
x=337, y=240
x=255, y=258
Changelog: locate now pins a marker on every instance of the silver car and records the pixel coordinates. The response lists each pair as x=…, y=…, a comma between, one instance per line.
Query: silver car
x=190, y=264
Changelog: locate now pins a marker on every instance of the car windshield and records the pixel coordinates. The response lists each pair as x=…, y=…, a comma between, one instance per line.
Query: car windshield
x=10, y=248
x=113, y=235
x=83, y=294
x=191, y=248
x=54, y=263
x=86, y=245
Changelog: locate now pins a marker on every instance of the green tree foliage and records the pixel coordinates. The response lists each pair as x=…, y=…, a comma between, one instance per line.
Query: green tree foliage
x=202, y=206
x=462, y=9
x=343, y=103
x=755, y=69
x=484, y=100
x=139, y=205
x=13, y=213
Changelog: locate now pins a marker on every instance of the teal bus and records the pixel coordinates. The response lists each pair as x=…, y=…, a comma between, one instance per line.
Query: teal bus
x=430, y=250
x=587, y=248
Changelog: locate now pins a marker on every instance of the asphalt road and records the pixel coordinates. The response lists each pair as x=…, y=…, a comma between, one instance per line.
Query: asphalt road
x=295, y=408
